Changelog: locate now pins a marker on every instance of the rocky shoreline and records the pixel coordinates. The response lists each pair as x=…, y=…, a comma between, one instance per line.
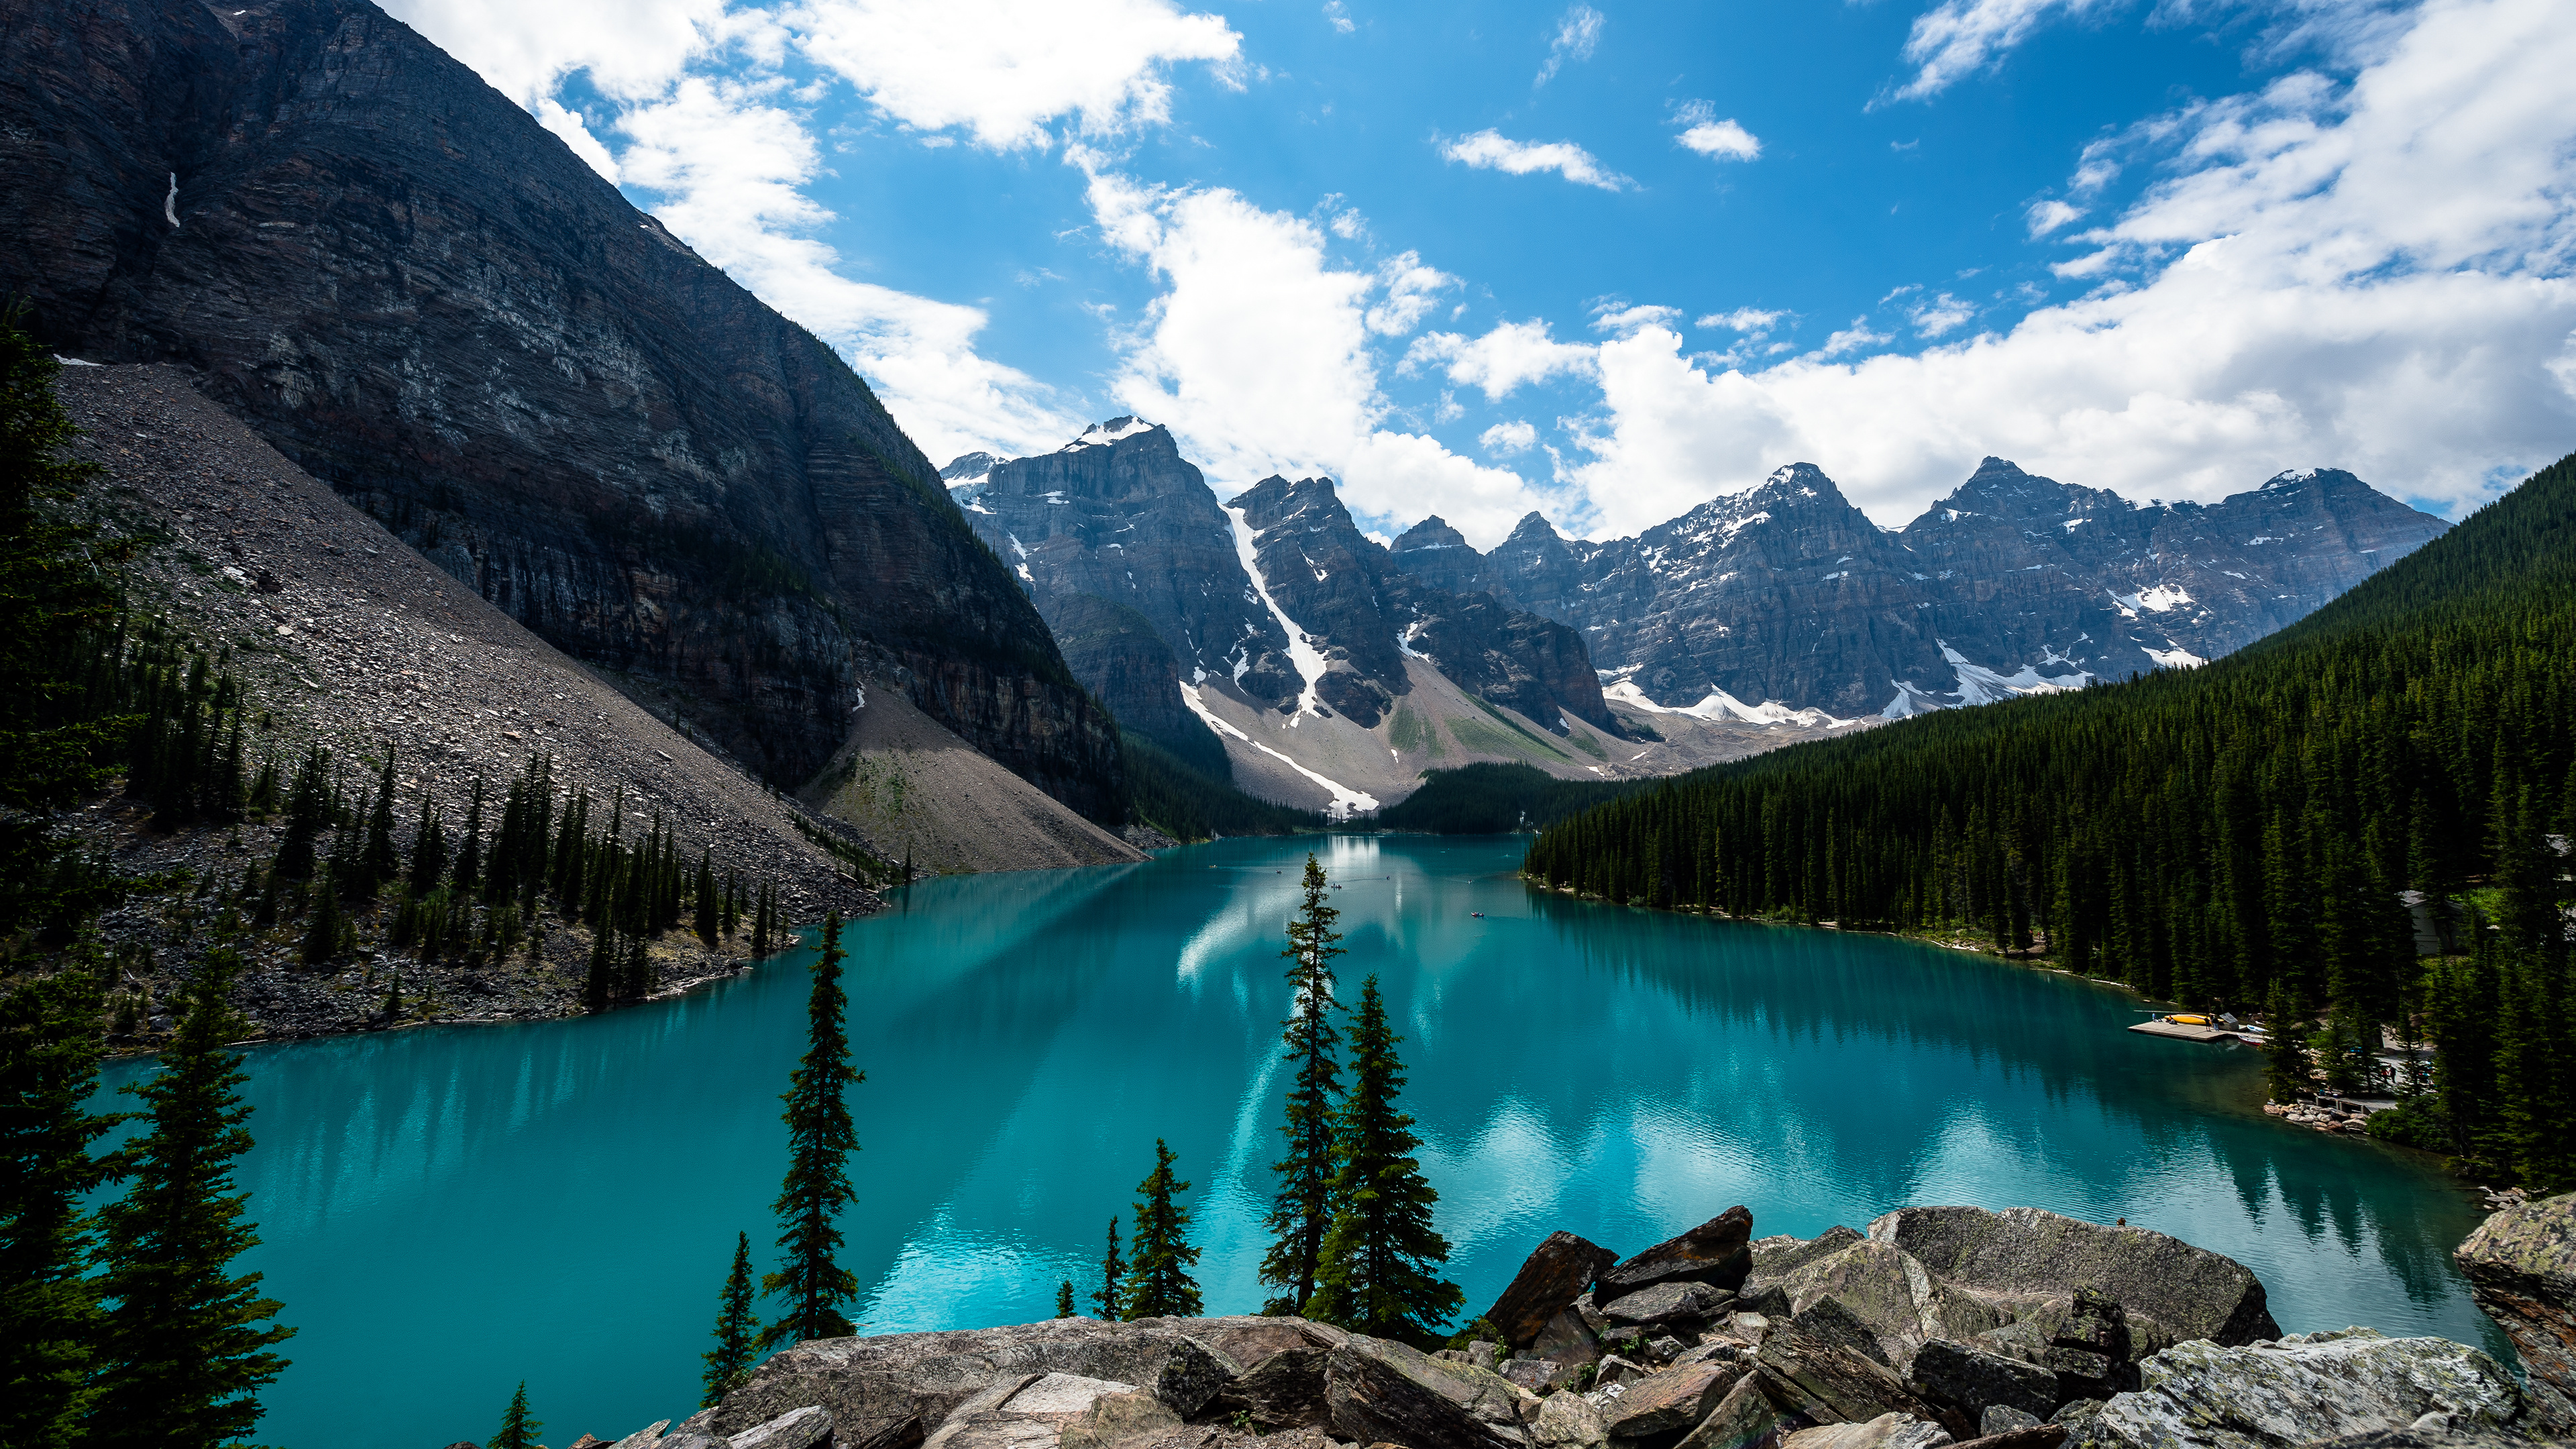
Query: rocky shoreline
x=1937, y=1326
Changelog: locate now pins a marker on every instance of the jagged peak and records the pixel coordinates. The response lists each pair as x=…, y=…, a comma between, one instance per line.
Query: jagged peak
x=968, y=467
x=1115, y=430
x=1534, y=525
x=1432, y=532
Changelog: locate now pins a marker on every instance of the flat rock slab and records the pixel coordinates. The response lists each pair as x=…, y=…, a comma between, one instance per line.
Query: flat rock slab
x=1903, y=1302
x=2521, y=1266
x=1974, y=1381
x=1745, y=1419
x=1666, y=1303
x=1549, y=1281
x=1887, y=1431
x=1832, y=1384
x=2307, y=1387
x=1717, y=1252
x=1378, y=1391
x=2020, y=1251
x=1671, y=1402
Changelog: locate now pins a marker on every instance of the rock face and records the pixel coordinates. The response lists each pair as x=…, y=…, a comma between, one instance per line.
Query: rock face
x=2521, y=1265
x=1973, y=1381
x=1382, y=1392
x=2027, y=1254
x=2012, y=584
x=2301, y=1389
x=1118, y=654
x=421, y=297
x=1560, y=1270
x=1717, y=1252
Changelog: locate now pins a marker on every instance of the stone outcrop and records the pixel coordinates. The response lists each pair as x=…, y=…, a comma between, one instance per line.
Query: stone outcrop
x=2022, y=1255
x=1561, y=1269
x=1887, y=1431
x=1717, y=1252
x=1893, y=1292
x=415, y=292
x=1832, y=1384
x=1667, y=1405
x=2302, y=1389
x=1382, y=1392
x=1974, y=1381
x=2521, y=1265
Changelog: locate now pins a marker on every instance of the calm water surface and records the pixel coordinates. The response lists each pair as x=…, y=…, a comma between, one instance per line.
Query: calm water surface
x=446, y=1212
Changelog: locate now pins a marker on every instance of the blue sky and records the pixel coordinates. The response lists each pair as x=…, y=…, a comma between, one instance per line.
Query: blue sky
x=1608, y=260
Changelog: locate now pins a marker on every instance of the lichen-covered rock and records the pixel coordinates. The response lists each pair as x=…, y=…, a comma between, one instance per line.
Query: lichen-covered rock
x=1671, y=1402
x=1835, y=1385
x=2024, y=1253
x=1717, y=1253
x=1568, y=1339
x=803, y=1428
x=1887, y=1431
x=1666, y=1303
x=2306, y=1387
x=1378, y=1391
x=2001, y=1419
x=2521, y=1265
x=1828, y=1320
x=1776, y=1257
x=1976, y=1382
x=1894, y=1293
x=1568, y=1421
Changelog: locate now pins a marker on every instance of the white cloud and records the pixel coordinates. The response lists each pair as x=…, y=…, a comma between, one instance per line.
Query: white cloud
x=1338, y=18
x=1003, y=69
x=1619, y=319
x=630, y=48
x=1492, y=150
x=1721, y=140
x=1958, y=38
x=1937, y=315
x=1505, y=439
x=2048, y=216
x=1855, y=338
x=732, y=166
x=1257, y=352
x=2373, y=276
x=1576, y=35
x=1410, y=290
x=1501, y=360
x=1750, y=320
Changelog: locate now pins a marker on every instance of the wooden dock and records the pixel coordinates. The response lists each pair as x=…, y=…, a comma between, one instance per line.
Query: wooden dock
x=2180, y=1032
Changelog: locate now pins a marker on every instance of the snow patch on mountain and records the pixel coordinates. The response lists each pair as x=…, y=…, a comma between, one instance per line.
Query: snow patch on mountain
x=2174, y=658
x=1101, y=435
x=1720, y=705
x=1980, y=685
x=1346, y=801
x=2151, y=601
x=1302, y=653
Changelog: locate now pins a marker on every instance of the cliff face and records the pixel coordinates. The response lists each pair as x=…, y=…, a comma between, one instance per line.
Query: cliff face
x=2012, y=584
x=407, y=286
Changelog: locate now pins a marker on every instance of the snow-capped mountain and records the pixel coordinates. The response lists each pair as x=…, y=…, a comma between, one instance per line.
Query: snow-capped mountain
x=2014, y=584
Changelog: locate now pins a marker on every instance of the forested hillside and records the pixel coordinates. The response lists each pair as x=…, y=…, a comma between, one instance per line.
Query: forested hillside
x=2237, y=835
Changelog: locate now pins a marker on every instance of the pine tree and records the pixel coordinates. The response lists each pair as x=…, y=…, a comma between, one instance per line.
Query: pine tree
x=323, y=932
x=377, y=861
x=469, y=845
x=184, y=1361
x=2285, y=1051
x=820, y=1139
x=518, y=1430
x=599, y=982
x=1303, y=1210
x=710, y=907
x=1064, y=1299
x=1110, y=1299
x=1158, y=1282
x=50, y=1320
x=1375, y=1277
x=729, y=1362
x=428, y=849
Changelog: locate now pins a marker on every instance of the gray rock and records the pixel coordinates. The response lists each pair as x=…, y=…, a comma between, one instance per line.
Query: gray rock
x=1568, y=1340
x=2299, y=1390
x=1834, y=1385
x=1538, y=1375
x=1115, y=1419
x=1776, y=1257
x=1617, y=1372
x=1568, y=1421
x=1560, y=1270
x=1668, y=1404
x=1828, y=1321
x=642, y=1437
x=1887, y=1431
x=1282, y=1391
x=2004, y=1419
x=1752, y=1328
x=1666, y=1304
x=796, y=1429
x=1385, y=1392
x=2024, y=1252
x=1481, y=1354
x=1895, y=1293
x=2521, y=1265
x=1975, y=1382
x=1717, y=1252
x=2027, y=1436
x=1745, y=1419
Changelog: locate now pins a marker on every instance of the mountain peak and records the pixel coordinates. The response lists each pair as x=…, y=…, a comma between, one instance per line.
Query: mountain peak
x=1115, y=430
x=1534, y=526
x=968, y=468
x=1432, y=532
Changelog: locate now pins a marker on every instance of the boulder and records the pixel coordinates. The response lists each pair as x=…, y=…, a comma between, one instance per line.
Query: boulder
x=2002, y=1419
x=1887, y=1431
x=1550, y=1279
x=1717, y=1253
x=1568, y=1421
x=1976, y=1382
x=1115, y=1419
x=1834, y=1385
x=1750, y=1327
x=1538, y=1375
x=1617, y=1372
x=1243, y=1340
x=2024, y=1253
x=892, y=1391
x=1667, y=1303
x=2030, y=1436
x=1662, y=1408
x=637, y=1440
x=1775, y=1258
x=1828, y=1321
x=1568, y=1340
x=2304, y=1388
x=1745, y=1419
x=1379, y=1391
x=1282, y=1391
x=1904, y=1304
x=796, y=1429
x=2521, y=1266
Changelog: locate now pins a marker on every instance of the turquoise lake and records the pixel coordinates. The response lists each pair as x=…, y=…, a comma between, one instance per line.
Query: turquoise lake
x=448, y=1211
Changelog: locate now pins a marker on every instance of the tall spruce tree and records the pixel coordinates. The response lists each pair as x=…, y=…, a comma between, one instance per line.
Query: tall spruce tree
x=737, y=1326
x=1375, y=1276
x=1064, y=1299
x=1110, y=1298
x=185, y=1355
x=1303, y=1211
x=50, y=1320
x=1158, y=1281
x=2285, y=1050
x=519, y=1430
x=820, y=1139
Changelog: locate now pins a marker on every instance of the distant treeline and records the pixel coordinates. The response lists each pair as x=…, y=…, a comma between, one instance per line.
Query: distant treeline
x=1492, y=799
x=2237, y=835
x=1187, y=803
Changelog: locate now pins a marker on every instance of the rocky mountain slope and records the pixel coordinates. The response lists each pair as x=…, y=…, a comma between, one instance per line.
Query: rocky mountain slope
x=412, y=290
x=1269, y=637
x=1786, y=595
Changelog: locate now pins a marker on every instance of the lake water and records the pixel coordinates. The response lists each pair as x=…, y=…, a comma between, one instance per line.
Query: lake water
x=446, y=1212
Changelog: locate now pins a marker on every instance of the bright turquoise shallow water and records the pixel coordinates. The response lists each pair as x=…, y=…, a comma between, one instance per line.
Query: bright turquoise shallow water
x=446, y=1212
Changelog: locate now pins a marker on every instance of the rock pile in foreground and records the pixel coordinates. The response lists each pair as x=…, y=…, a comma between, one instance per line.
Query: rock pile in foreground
x=1937, y=1327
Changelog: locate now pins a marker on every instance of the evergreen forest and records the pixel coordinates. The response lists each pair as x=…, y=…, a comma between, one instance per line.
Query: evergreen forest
x=2358, y=827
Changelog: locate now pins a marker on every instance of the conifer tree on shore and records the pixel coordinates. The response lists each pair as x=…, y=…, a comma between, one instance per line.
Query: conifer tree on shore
x=518, y=1430
x=736, y=1328
x=1303, y=1210
x=50, y=1318
x=185, y=1359
x=820, y=1139
x=1375, y=1275
x=1064, y=1299
x=1158, y=1280
x=1108, y=1300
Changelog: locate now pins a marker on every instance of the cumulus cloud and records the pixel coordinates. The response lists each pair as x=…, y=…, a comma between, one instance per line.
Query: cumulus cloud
x=1937, y=315
x=2372, y=276
x=1257, y=352
x=1749, y=320
x=1721, y=140
x=1505, y=439
x=1001, y=70
x=1855, y=338
x=1619, y=319
x=1576, y=36
x=1501, y=360
x=1338, y=18
x=1409, y=290
x=629, y=48
x=1958, y=38
x=1491, y=150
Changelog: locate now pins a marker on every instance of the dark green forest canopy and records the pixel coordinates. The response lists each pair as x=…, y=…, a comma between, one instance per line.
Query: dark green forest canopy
x=2202, y=834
